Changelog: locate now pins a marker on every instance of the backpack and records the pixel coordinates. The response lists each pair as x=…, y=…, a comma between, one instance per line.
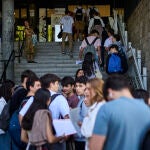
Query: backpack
x=92, y=11
x=90, y=48
x=113, y=64
x=97, y=22
x=5, y=117
x=79, y=14
x=15, y=128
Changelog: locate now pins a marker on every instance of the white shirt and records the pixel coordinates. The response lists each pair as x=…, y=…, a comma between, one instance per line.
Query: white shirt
x=59, y=106
x=25, y=108
x=2, y=104
x=89, y=121
x=67, y=22
x=91, y=23
x=108, y=42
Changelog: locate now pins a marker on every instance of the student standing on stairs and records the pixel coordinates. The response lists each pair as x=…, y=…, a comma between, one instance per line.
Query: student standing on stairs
x=66, y=23
x=93, y=35
x=96, y=23
x=29, y=47
x=79, y=17
x=109, y=40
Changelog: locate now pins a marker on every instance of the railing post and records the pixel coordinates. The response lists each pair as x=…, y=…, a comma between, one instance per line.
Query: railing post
x=126, y=38
x=123, y=28
x=141, y=73
x=0, y=46
x=139, y=60
x=144, y=77
x=129, y=45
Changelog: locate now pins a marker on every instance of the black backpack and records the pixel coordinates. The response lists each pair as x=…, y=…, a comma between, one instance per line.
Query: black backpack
x=79, y=14
x=97, y=22
x=5, y=117
x=92, y=11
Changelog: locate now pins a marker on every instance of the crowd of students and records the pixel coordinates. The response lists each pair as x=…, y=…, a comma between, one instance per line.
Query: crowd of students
x=109, y=117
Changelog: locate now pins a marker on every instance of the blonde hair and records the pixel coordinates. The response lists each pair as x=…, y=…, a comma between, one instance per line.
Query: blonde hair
x=97, y=86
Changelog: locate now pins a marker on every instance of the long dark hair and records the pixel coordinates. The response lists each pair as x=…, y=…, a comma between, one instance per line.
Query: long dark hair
x=6, y=89
x=40, y=102
x=87, y=64
x=76, y=75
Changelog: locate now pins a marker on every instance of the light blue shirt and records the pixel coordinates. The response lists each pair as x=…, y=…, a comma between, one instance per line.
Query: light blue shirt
x=67, y=22
x=83, y=109
x=59, y=106
x=124, y=122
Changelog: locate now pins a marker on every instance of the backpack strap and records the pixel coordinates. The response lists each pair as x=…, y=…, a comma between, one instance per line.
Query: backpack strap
x=54, y=96
x=52, y=99
x=87, y=42
x=94, y=40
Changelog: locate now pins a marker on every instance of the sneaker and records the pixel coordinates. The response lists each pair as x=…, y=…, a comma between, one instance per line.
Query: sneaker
x=33, y=61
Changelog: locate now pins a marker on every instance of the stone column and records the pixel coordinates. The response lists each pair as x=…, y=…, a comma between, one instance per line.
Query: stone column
x=8, y=35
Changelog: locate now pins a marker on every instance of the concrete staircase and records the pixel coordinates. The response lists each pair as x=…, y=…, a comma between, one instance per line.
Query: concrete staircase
x=49, y=60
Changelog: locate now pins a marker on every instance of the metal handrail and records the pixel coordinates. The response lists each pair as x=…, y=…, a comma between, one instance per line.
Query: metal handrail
x=136, y=65
x=139, y=79
x=12, y=57
x=6, y=63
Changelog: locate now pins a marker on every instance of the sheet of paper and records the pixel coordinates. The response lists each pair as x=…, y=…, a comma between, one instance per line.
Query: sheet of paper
x=74, y=116
x=63, y=126
x=78, y=62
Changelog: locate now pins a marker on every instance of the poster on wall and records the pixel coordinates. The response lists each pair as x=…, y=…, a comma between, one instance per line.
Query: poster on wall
x=42, y=25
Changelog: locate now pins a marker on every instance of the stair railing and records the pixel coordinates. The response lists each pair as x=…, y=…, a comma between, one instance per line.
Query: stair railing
x=6, y=63
x=137, y=73
x=12, y=58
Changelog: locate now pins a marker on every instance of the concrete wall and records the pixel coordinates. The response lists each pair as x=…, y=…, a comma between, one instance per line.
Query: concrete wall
x=138, y=26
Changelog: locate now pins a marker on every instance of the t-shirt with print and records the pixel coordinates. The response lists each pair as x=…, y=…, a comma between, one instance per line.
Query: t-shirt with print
x=67, y=22
x=108, y=42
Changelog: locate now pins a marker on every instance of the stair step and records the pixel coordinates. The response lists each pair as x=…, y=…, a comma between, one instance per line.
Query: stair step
x=49, y=60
